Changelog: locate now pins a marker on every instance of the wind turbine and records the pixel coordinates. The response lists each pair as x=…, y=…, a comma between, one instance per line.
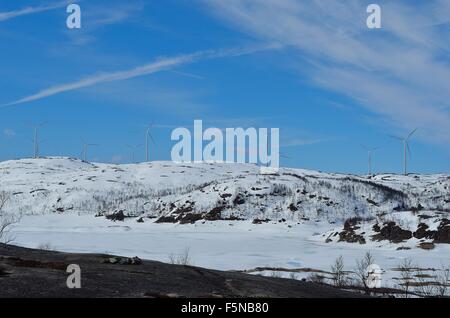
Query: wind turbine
x=406, y=149
x=85, y=148
x=148, y=136
x=370, y=152
x=133, y=148
x=36, y=139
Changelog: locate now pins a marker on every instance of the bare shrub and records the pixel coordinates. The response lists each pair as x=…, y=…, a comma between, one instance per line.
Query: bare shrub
x=275, y=274
x=45, y=246
x=425, y=286
x=436, y=286
x=443, y=280
x=361, y=272
x=337, y=272
x=4, y=197
x=293, y=275
x=181, y=259
x=316, y=278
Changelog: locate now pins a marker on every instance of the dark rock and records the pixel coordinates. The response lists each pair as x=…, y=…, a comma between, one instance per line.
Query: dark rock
x=351, y=223
x=376, y=228
x=418, y=208
x=233, y=218
x=184, y=209
x=443, y=232
x=122, y=260
x=215, y=214
x=349, y=235
x=422, y=232
x=239, y=199
x=166, y=219
x=426, y=246
x=258, y=221
x=116, y=216
x=292, y=207
x=190, y=218
x=392, y=233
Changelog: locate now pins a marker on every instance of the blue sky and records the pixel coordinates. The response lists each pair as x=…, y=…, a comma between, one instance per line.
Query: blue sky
x=311, y=68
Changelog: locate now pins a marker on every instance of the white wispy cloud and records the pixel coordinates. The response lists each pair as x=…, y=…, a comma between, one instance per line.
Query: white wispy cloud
x=31, y=10
x=97, y=16
x=399, y=73
x=9, y=133
x=301, y=142
x=160, y=64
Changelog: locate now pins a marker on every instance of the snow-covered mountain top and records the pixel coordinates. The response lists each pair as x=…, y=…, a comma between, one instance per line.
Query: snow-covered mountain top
x=153, y=172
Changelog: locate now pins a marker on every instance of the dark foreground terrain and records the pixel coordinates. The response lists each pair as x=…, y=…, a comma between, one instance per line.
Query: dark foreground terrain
x=36, y=273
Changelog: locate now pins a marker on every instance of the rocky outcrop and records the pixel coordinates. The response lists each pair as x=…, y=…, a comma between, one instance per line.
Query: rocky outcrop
x=443, y=232
x=393, y=233
x=349, y=235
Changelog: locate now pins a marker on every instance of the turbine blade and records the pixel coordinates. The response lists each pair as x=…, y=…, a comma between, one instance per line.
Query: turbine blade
x=412, y=133
x=396, y=137
x=151, y=138
x=409, y=150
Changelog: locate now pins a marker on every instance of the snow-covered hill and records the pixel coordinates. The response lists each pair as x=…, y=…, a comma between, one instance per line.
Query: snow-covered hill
x=297, y=219
x=187, y=193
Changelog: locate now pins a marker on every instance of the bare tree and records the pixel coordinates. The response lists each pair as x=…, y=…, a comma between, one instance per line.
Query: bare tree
x=362, y=273
x=435, y=285
x=5, y=219
x=406, y=276
x=338, y=273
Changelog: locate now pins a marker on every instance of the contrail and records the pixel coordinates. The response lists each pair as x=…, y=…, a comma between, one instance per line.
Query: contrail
x=30, y=10
x=160, y=64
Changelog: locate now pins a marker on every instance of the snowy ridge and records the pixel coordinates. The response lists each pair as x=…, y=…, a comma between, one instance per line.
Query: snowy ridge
x=189, y=192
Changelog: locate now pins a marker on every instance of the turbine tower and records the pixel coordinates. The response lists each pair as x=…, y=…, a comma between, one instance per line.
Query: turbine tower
x=370, y=152
x=148, y=136
x=133, y=149
x=406, y=149
x=85, y=148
